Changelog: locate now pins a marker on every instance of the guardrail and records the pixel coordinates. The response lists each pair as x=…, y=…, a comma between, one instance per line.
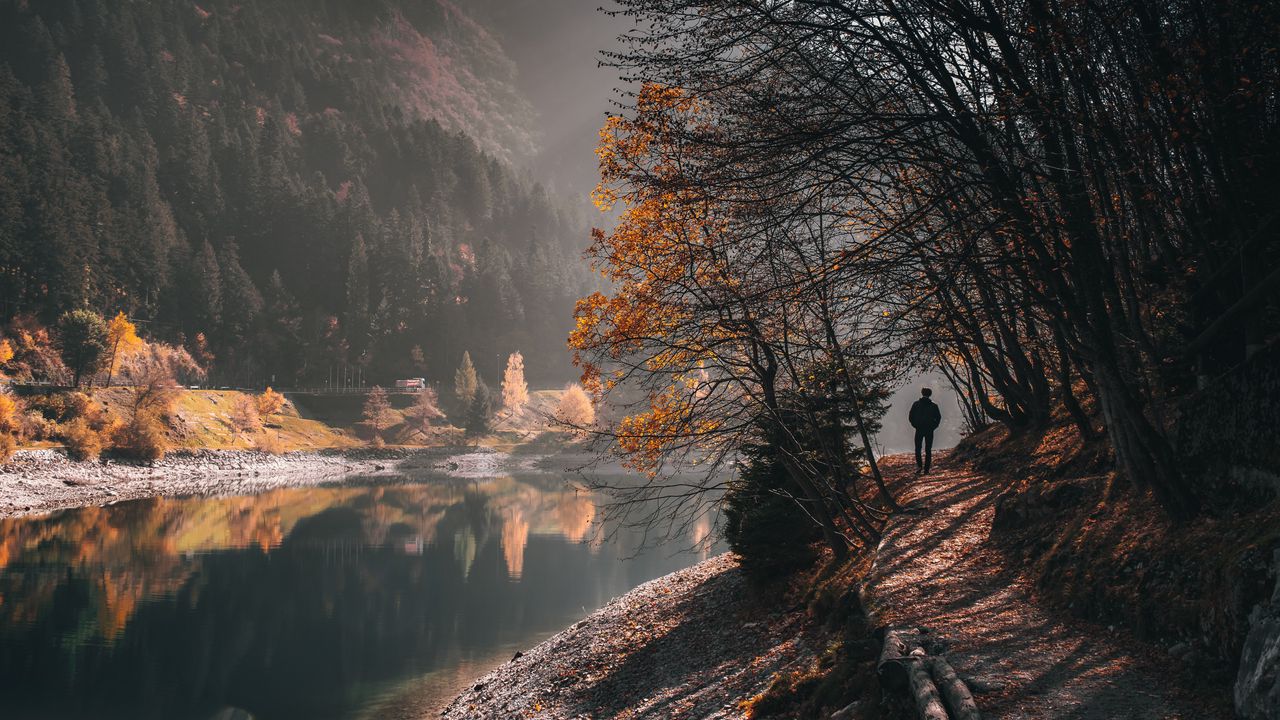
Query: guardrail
x=55, y=387
x=346, y=391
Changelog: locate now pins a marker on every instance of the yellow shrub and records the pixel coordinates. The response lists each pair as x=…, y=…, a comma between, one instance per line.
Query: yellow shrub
x=576, y=409
x=10, y=414
x=143, y=437
x=36, y=428
x=244, y=416
x=80, y=405
x=270, y=402
x=83, y=440
x=12, y=423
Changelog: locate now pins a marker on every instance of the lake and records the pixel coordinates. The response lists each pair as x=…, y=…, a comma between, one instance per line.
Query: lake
x=356, y=601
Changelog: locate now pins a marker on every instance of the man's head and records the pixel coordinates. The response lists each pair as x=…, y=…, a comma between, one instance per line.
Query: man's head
x=927, y=392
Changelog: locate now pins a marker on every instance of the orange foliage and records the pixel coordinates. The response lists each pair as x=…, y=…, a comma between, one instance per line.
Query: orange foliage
x=668, y=239
x=143, y=437
x=35, y=356
x=83, y=440
x=575, y=409
x=122, y=338
x=10, y=414
x=87, y=430
x=270, y=402
x=244, y=415
x=144, y=433
x=515, y=535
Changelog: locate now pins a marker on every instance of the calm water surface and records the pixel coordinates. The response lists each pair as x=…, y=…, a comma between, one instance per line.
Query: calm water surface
x=360, y=601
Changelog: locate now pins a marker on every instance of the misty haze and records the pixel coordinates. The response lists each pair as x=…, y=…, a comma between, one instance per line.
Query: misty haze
x=493, y=359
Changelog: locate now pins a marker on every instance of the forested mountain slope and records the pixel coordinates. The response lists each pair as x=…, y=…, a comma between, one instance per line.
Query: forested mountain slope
x=298, y=180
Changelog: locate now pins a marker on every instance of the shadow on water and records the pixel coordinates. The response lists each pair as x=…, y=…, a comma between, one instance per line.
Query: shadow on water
x=337, y=602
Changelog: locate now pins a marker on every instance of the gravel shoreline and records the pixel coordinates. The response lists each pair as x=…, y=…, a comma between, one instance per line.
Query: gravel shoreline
x=40, y=481
x=692, y=644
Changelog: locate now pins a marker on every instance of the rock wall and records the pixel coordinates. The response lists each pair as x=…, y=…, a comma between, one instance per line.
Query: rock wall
x=1227, y=430
x=1257, y=688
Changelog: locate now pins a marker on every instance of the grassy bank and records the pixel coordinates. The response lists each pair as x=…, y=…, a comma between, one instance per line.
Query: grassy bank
x=202, y=419
x=213, y=420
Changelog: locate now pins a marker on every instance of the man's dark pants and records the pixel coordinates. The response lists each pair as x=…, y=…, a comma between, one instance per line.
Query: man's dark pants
x=926, y=437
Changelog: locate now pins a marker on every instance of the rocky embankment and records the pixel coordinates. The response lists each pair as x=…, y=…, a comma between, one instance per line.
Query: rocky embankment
x=1257, y=688
x=35, y=481
x=692, y=644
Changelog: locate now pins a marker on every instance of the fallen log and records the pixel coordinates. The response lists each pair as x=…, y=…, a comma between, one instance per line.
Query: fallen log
x=955, y=693
x=894, y=667
x=847, y=712
x=924, y=692
x=936, y=690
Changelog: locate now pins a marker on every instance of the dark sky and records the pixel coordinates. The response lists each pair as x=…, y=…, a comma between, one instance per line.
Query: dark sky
x=555, y=45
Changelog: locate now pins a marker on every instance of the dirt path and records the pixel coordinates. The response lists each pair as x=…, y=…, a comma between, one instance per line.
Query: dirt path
x=938, y=570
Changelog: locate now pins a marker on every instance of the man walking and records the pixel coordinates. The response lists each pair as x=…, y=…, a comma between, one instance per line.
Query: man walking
x=925, y=418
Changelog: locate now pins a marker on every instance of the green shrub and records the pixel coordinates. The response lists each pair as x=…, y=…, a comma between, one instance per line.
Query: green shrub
x=768, y=530
x=478, y=415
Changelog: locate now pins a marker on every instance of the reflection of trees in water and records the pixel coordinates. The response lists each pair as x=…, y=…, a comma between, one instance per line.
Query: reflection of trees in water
x=515, y=534
x=113, y=558
x=132, y=551
x=574, y=512
x=626, y=507
x=700, y=535
x=292, y=602
x=464, y=549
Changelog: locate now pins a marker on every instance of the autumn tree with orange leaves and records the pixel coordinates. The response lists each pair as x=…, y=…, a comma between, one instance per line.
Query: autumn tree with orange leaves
x=122, y=336
x=515, y=391
x=1060, y=206
x=718, y=326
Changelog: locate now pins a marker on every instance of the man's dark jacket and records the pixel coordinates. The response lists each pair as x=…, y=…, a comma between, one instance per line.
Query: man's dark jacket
x=925, y=415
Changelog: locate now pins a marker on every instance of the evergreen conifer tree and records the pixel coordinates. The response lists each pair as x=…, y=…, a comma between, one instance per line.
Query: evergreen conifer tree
x=83, y=339
x=465, y=381
x=478, y=413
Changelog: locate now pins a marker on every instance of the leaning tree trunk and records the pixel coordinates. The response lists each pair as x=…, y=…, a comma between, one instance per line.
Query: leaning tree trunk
x=868, y=447
x=1143, y=454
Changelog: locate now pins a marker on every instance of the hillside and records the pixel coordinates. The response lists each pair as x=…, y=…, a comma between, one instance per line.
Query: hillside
x=203, y=420
x=314, y=188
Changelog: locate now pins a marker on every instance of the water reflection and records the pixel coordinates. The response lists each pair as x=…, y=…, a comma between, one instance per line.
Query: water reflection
x=296, y=603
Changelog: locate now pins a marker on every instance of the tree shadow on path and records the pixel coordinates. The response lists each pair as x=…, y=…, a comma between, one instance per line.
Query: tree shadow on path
x=938, y=569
